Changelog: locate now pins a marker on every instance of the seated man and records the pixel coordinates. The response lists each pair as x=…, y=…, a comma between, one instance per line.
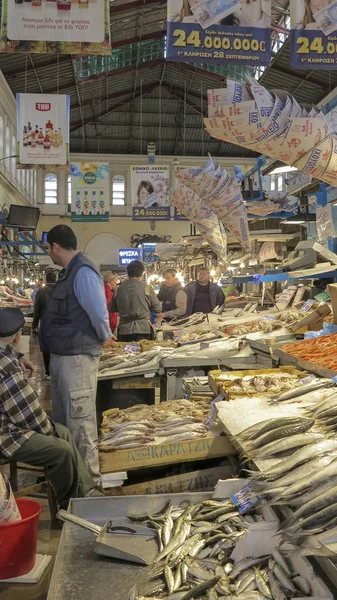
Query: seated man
x=26, y=432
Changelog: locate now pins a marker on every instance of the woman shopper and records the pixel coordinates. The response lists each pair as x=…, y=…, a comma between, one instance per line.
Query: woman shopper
x=110, y=287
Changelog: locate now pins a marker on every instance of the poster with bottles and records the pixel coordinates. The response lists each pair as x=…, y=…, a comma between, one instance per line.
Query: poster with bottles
x=56, y=26
x=150, y=187
x=214, y=31
x=42, y=129
x=313, y=34
x=90, y=192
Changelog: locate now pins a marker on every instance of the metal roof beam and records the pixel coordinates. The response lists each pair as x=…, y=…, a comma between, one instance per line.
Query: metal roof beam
x=115, y=10
x=114, y=95
x=156, y=35
x=11, y=74
x=142, y=65
x=97, y=118
x=296, y=75
x=190, y=68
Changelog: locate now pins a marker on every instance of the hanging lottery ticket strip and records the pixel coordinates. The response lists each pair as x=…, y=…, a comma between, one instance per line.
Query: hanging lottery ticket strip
x=211, y=199
x=274, y=124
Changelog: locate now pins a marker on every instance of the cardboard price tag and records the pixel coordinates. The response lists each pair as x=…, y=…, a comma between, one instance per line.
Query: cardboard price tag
x=308, y=305
x=213, y=413
x=246, y=499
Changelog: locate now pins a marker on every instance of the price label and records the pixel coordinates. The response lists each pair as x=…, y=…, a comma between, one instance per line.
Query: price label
x=213, y=413
x=246, y=499
x=308, y=305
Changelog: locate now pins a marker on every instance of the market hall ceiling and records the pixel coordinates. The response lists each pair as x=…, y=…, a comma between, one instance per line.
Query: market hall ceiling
x=121, y=102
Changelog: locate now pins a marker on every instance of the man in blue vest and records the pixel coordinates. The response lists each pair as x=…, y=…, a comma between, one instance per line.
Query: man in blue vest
x=73, y=329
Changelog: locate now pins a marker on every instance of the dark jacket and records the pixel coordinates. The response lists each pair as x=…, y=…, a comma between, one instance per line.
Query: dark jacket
x=167, y=296
x=216, y=295
x=66, y=328
x=134, y=300
x=42, y=299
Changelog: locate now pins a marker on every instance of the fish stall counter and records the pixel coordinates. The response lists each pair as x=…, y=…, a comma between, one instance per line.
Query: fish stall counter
x=201, y=357
x=242, y=413
x=88, y=568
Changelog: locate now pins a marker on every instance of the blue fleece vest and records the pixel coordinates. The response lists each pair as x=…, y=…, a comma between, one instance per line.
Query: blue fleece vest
x=65, y=327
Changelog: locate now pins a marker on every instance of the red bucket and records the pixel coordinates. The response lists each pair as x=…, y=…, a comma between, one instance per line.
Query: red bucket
x=18, y=541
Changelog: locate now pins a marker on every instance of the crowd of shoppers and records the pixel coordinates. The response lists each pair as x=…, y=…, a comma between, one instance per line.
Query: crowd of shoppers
x=75, y=313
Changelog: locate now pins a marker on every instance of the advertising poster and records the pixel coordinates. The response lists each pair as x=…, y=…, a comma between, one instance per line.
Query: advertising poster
x=42, y=129
x=59, y=26
x=90, y=192
x=237, y=31
x=313, y=34
x=178, y=214
x=150, y=187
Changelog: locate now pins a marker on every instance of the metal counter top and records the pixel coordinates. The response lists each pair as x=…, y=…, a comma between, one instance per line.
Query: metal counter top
x=81, y=574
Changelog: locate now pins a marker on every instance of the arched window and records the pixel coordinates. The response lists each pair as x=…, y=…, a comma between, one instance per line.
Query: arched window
x=7, y=148
x=69, y=190
x=118, y=190
x=50, y=188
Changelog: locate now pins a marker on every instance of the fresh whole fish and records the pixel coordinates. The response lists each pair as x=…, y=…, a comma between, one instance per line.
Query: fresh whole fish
x=276, y=588
x=300, y=426
x=330, y=471
x=305, y=470
x=201, y=588
x=284, y=444
x=319, y=502
x=300, y=391
x=284, y=580
x=300, y=457
x=265, y=426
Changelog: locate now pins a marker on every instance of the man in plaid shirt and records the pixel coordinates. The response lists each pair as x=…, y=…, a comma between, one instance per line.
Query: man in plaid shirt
x=26, y=432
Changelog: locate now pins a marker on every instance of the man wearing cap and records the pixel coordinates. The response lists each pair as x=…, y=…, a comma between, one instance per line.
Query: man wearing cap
x=26, y=432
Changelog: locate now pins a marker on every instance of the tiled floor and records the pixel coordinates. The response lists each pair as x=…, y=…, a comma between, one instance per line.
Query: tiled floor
x=49, y=535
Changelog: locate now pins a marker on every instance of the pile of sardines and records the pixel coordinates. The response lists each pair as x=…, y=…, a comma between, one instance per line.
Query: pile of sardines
x=195, y=542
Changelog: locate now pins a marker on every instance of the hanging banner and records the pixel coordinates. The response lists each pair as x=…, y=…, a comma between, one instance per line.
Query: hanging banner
x=213, y=31
x=178, y=214
x=150, y=193
x=90, y=192
x=42, y=129
x=56, y=26
x=313, y=34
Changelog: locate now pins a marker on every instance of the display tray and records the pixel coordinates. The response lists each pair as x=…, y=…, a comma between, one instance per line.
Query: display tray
x=305, y=365
x=217, y=387
x=268, y=345
x=155, y=455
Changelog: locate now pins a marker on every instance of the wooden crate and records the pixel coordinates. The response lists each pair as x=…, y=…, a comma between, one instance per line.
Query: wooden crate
x=218, y=387
x=196, y=481
x=164, y=454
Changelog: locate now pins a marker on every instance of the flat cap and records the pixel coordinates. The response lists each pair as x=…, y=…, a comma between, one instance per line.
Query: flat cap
x=11, y=321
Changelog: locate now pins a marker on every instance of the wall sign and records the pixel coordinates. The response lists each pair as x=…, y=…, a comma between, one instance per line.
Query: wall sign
x=42, y=129
x=237, y=31
x=90, y=192
x=127, y=255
